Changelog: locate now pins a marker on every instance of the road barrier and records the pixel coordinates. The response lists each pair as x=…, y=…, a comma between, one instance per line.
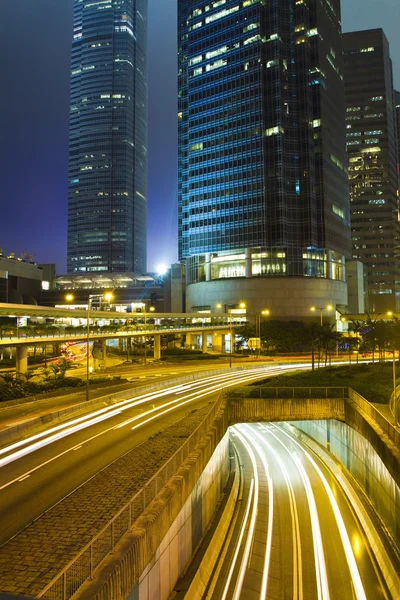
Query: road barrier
x=81, y=568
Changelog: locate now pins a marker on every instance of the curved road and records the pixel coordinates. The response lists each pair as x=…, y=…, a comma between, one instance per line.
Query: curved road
x=294, y=534
x=38, y=472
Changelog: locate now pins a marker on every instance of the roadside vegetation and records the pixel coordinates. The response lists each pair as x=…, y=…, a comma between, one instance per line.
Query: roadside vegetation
x=51, y=379
x=372, y=381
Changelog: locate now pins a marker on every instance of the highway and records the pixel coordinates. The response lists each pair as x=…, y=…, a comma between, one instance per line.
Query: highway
x=38, y=472
x=293, y=534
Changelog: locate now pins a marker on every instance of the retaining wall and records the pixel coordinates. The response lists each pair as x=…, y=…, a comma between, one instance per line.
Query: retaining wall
x=164, y=538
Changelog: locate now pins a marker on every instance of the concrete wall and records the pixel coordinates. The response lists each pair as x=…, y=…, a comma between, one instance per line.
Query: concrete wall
x=165, y=536
x=285, y=297
x=362, y=461
x=252, y=410
x=178, y=546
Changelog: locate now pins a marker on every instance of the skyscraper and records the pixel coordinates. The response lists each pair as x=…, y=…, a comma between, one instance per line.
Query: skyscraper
x=263, y=191
x=108, y=137
x=372, y=149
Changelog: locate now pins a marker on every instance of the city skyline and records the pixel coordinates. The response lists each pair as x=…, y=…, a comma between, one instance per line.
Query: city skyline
x=37, y=138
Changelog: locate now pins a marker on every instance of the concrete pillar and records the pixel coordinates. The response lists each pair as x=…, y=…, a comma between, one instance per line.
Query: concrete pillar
x=104, y=352
x=329, y=264
x=191, y=340
x=157, y=347
x=204, y=336
x=121, y=344
x=208, y=266
x=22, y=360
x=217, y=342
x=56, y=349
x=248, y=263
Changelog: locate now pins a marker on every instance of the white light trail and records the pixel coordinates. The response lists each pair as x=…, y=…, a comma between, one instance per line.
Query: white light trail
x=268, y=545
x=40, y=440
x=297, y=559
x=250, y=532
x=320, y=567
x=351, y=561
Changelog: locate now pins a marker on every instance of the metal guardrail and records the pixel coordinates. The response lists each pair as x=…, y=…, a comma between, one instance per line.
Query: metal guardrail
x=388, y=428
x=80, y=569
x=289, y=392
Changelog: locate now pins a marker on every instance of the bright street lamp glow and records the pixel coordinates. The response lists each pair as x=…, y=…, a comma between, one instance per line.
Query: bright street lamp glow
x=161, y=269
x=69, y=297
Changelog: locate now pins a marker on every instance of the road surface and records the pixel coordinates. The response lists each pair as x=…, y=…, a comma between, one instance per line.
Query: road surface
x=294, y=534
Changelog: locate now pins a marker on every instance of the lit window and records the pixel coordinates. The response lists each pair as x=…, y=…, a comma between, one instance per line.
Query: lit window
x=222, y=13
x=195, y=60
x=216, y=52
x=274, y=131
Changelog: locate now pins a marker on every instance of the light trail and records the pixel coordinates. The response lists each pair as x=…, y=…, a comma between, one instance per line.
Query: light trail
x=351, y=561
x=65, y=429
x=296, y=540
x=62, y=431
x=239, y=541
x=320, y=567
x=250, y=532
x=268, y=545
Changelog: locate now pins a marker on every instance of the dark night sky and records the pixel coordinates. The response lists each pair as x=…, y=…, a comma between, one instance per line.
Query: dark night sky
x=35, y=40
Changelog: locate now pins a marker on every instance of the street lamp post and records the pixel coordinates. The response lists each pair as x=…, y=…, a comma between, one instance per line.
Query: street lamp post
x=151, y=309
x=225, y=306
x=70, y=297
x=321, y=308
x=266, y=312
x=394, y=389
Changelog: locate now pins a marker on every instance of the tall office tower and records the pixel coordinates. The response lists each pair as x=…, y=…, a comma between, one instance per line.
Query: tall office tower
x=263, y=190
x=108, y=137
x=372, y=149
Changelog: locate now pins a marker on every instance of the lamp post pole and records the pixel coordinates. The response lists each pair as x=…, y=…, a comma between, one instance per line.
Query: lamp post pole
x=87, y=347
x=145, y=348
x=231, y=337
x=394, y=389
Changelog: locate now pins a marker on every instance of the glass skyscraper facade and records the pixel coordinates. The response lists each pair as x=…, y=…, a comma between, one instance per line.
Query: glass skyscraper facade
x=108, y=137
x=373, y=154
x=263, y=182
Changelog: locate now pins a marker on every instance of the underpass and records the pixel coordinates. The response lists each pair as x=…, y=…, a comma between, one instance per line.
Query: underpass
x=111, y=437
x=294, y=533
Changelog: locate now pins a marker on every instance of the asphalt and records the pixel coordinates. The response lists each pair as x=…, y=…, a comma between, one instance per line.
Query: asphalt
x=291, y=571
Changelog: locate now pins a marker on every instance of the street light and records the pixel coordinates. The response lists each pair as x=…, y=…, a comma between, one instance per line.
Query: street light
x=151, y=309
x=321, y=308
x=395, y=407
x=70, y=297
x=265, y=313
x=229, y=308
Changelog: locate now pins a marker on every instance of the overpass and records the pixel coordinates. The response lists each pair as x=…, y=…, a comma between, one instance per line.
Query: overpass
x=124, y=325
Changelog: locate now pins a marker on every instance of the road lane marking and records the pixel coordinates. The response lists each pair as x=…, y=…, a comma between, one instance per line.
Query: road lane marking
x=351, y=561
x=297, y=556
x=103, y=417
x=268, y=544
x=23, y=478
